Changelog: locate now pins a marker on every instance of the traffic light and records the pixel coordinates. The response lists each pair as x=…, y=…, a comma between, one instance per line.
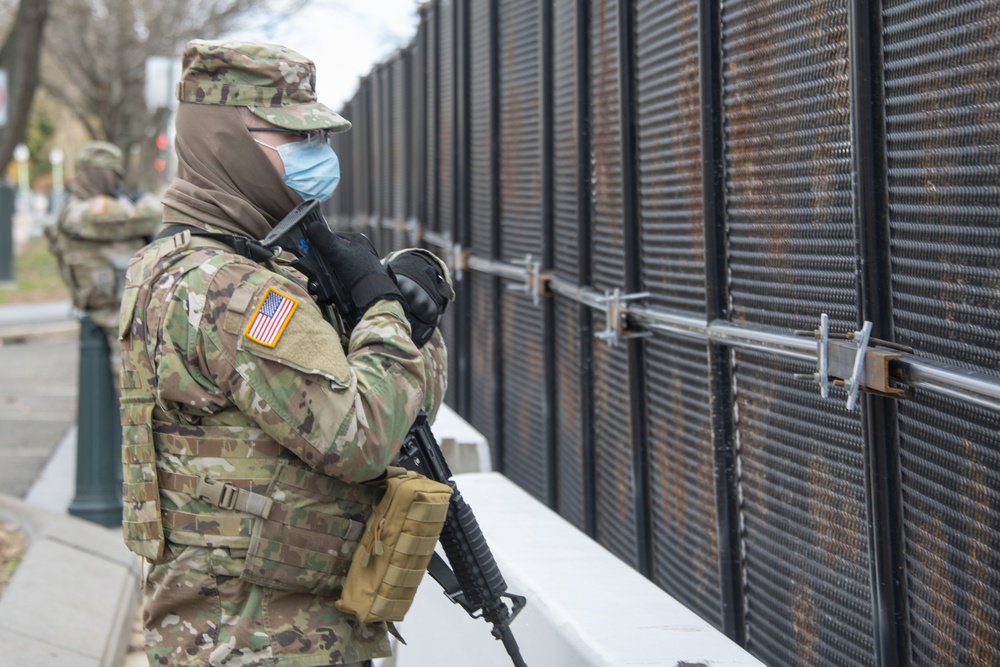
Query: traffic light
x=162, y=143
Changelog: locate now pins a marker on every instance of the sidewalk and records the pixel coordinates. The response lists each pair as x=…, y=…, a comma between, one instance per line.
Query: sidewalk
x=73, y=597
x=36, y=322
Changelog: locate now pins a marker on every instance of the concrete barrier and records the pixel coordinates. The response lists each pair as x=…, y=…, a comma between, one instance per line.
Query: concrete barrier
x=464, y=448
x=586, y=608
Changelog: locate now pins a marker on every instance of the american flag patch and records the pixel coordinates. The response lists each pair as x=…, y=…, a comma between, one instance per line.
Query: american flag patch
x=271, y=317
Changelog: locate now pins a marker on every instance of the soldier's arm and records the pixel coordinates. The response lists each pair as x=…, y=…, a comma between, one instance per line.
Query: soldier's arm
x=435, y=374
x=345, y=415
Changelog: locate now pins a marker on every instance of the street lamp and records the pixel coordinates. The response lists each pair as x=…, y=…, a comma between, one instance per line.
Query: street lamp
x=56, y=158
x=21, y=155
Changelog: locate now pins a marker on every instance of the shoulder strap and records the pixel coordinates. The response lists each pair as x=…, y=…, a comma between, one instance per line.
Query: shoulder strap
x=241, y=245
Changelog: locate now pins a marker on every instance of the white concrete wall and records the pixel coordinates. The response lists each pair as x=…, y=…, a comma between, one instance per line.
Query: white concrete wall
x=585, y=606
x=464, y=448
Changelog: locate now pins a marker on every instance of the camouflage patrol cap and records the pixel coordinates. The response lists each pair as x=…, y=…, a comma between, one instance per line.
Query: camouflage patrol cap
x=274, y=82
x=100, y=154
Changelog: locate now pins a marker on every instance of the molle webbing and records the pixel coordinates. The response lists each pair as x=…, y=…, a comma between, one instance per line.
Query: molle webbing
x=236, y=442
x=236, y=502
x=234, y=496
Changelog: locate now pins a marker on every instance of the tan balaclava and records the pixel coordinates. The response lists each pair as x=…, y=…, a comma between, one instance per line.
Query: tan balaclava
x=223, y=177
x=98, y=170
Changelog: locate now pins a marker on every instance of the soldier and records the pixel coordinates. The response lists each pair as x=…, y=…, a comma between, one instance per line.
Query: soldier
x=250, y=423
x=95, y=235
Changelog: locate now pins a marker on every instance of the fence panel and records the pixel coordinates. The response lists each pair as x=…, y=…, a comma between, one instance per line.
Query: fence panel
x=521, y=142
x=401, y=192
x=432, y=109
x=383, y=146
x=570, y=261
x=416, y=126
x=571, y=132
x=791, y=240
x=361, y=173
x=446, y=205
x=616, y=519
x=340, y=206
x=941, y=65
x=673, y=271
x=485, y=357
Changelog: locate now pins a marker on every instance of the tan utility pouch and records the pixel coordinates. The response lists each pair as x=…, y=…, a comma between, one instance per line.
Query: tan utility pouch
x=396, y=547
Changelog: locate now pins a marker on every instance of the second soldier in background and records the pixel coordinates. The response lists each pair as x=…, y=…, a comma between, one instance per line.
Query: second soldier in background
x=96, y=234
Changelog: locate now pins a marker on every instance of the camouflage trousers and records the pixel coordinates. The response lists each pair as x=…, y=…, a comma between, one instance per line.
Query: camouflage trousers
x=198, y=612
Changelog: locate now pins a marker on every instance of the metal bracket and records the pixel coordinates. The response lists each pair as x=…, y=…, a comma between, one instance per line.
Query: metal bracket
x=855, y=361
x=615, y=313
x=534, y=280
x=456, y=261
x=413, y=232
x=853, y=383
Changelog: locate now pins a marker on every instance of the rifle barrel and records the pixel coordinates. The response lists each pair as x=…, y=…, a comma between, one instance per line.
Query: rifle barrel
x=509, y=643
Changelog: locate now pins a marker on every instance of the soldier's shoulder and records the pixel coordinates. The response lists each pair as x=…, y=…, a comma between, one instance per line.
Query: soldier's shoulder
x=104, y=208
x=100, y=218
x=148, y=212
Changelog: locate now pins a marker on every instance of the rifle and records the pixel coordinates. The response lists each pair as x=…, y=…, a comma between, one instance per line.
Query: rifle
x=290, y=235
x=473, y=580
x=476, y=583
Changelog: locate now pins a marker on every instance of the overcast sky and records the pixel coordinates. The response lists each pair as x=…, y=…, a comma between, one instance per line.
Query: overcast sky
x=345, y=38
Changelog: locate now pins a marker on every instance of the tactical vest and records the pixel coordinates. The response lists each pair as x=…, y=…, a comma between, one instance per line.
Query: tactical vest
x=223, y=482
x=93, y=240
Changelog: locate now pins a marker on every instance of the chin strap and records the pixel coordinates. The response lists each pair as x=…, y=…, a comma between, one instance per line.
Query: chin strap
x=241, y=245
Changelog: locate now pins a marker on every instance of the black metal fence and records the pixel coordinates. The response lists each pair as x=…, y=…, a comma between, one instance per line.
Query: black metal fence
x=645, y=204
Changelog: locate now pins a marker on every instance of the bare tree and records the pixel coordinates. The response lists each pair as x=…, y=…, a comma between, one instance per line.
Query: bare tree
x=96, y=53
x=19, y=57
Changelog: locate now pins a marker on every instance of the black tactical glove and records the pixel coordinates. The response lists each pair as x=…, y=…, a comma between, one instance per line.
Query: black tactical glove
x=425, y=284
x=352, y=262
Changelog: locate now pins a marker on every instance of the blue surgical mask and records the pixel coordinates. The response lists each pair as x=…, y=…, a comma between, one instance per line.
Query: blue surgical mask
x=312, y=169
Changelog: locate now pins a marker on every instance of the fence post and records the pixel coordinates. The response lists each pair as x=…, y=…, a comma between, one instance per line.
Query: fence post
x=726, y=456
x=7, y=278
x=98, y=444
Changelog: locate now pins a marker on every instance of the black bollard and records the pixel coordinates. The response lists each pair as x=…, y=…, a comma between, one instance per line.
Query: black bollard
x=99, y=436
x=7, y=277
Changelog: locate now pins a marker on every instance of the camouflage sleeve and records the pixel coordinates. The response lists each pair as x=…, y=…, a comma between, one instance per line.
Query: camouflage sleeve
x=435, y=356
x=260, y=339
x=147, y=217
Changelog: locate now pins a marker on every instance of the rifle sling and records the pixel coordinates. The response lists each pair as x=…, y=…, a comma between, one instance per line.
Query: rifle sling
x=442, y=573
x=241, y=245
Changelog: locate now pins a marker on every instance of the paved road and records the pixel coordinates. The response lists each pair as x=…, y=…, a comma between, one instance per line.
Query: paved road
x=38, y=392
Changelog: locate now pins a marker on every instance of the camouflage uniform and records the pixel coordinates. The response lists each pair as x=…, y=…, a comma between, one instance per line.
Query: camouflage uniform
x=97, y=232
x=244, y=453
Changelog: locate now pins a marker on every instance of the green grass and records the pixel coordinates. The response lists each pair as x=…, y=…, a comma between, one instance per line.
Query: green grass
x=12, y=544
x=37, y=276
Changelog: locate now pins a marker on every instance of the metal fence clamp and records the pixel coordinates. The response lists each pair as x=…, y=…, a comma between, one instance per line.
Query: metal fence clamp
x=535, y=282
x=456, y=261
x=855, y=361
x=413, y=232
x=616, y=327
